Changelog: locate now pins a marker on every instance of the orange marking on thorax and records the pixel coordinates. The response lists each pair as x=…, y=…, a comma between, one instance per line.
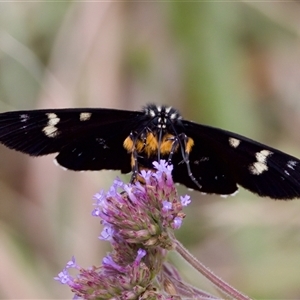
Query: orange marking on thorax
x=190, y=143
x=128, y=144
x=167, y=144
x=150, y=145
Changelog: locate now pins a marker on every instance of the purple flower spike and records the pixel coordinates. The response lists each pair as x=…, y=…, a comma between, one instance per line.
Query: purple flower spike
x=177, y=222
x=108, y=262
x=146, y=175
x=166, y=206
x=185, y=200
x=107, y=233
x=138, y=220
x=99, y=197
x=71, y=263
x=63, y=277
x=140, y=255
x=163, y=167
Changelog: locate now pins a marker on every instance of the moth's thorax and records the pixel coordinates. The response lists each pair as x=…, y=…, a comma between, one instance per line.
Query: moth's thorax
x=159, y=135
x=150, y=145
x=155, y=132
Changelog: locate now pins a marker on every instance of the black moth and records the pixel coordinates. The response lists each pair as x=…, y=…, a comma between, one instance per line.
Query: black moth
x=207, y=159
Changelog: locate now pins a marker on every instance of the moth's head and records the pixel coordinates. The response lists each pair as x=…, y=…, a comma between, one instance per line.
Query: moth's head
x=161, y=117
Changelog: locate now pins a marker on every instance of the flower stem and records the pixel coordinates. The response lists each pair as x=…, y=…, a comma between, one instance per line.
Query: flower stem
x=217, y=281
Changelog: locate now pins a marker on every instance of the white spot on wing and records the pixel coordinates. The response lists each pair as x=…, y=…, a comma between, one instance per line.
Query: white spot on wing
x=260, y=165
x=291, y=164
x=24, y=117
x=51, y=130
x=85, y=116
x=234, y=142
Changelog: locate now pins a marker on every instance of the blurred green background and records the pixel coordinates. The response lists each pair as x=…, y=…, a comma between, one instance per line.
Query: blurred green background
x=230, y=65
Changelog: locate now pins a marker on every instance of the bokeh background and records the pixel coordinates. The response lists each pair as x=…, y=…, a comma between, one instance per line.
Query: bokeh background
x=230, y=65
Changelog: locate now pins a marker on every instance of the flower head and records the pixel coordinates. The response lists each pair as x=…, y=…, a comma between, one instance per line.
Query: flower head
x=138, y=221
x=141, y=214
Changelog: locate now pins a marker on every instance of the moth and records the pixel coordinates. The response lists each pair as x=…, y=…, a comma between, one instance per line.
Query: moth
x=205, y=158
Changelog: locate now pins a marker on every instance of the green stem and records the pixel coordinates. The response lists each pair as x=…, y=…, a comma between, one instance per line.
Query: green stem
x=217, y=281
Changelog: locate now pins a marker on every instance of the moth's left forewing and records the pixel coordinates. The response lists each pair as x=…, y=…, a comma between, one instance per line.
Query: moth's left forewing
x=259, y=168
x=85, y=138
